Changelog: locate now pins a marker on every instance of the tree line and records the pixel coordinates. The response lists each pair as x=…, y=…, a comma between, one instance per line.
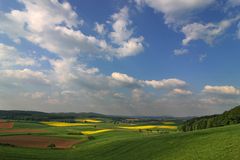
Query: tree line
x=227, y=118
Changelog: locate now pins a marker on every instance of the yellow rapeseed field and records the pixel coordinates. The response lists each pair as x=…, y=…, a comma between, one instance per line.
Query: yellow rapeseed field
x=167, y=127
x=64, y=124
x=149, y=127
x=95, y=132
x=89, y=120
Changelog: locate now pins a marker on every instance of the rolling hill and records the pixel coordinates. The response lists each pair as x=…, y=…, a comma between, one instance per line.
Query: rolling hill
x=42, y=116
x=216, y=143
x=228, y=117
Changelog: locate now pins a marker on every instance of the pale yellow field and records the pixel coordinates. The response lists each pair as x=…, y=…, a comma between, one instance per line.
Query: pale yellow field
x=64, y=124
x=89, y=120
x=95, y=132
x=149, y=127
x=168, y=123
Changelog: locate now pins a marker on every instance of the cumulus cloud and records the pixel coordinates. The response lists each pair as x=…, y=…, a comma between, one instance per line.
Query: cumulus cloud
x=100, y=28
x=54, y=26
x=137, y=95
x=178, y=91
x=71, y=74
x=122, y=34
x=39, y=16
x=63, y=70
x=42, y=22
x=206, y=32
x=231, y=90
x=180, y=14
x=123, y=78
x=157, y=84
x=176, y=11
x=10, y=57
x=165, y=83
x=66, y=80
x=131, y=47
x=25, y=74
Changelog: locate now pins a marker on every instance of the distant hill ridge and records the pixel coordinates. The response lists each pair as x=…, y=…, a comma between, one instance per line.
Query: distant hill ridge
x=42, y=116
x=70, y=116
x=228, y=117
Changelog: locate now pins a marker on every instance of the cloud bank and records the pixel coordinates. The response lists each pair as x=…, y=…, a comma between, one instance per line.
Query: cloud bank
x=59, y=78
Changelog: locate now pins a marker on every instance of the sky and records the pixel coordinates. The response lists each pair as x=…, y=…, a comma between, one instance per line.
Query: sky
x=130, y=57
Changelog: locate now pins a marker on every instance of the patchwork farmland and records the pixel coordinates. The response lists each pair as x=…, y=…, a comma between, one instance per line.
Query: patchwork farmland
x=119, y=80
x=115, y=138
x=38, y=141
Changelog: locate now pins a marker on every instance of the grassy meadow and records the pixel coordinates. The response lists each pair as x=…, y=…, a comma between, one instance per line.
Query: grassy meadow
x=126, y=142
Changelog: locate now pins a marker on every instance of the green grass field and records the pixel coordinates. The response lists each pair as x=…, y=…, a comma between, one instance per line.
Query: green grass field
x=217, y=143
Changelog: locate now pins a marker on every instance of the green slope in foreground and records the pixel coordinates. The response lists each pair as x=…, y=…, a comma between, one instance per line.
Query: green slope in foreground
x=217, y=143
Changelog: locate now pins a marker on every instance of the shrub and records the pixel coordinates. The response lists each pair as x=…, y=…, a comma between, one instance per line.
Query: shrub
x=91, y=138
x=52, y=145
x=75, y=133
x=7, y=144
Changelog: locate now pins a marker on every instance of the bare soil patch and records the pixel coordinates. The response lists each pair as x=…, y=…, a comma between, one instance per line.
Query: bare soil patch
x=6, y=124
x=22, y=131
x=37, y=141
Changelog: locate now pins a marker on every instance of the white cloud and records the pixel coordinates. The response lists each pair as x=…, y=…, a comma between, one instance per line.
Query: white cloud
x=178, y=91
x=157, y=84
x=165, y=83
x=13, y=32
x=37, y=17
x=42, y=22
x=121, y=32
x=180, y=52
x=100, y=28
x=123, y=77
x=70, y=42
x=130, y=48
x=39, y=23
x=63, y=70
x=9, y=57
x=206, y=32
x=176, y=11
x=66, y=81
x=25, y=74
x=40, y=15
x=231, y=90
x=137, y=95
x=67, y=70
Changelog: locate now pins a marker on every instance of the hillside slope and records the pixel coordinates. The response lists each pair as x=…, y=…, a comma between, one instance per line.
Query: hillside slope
x=228, y=117
x=216, y=143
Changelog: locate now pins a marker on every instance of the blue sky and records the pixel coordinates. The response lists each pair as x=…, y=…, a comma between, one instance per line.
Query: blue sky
x=135, y=57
